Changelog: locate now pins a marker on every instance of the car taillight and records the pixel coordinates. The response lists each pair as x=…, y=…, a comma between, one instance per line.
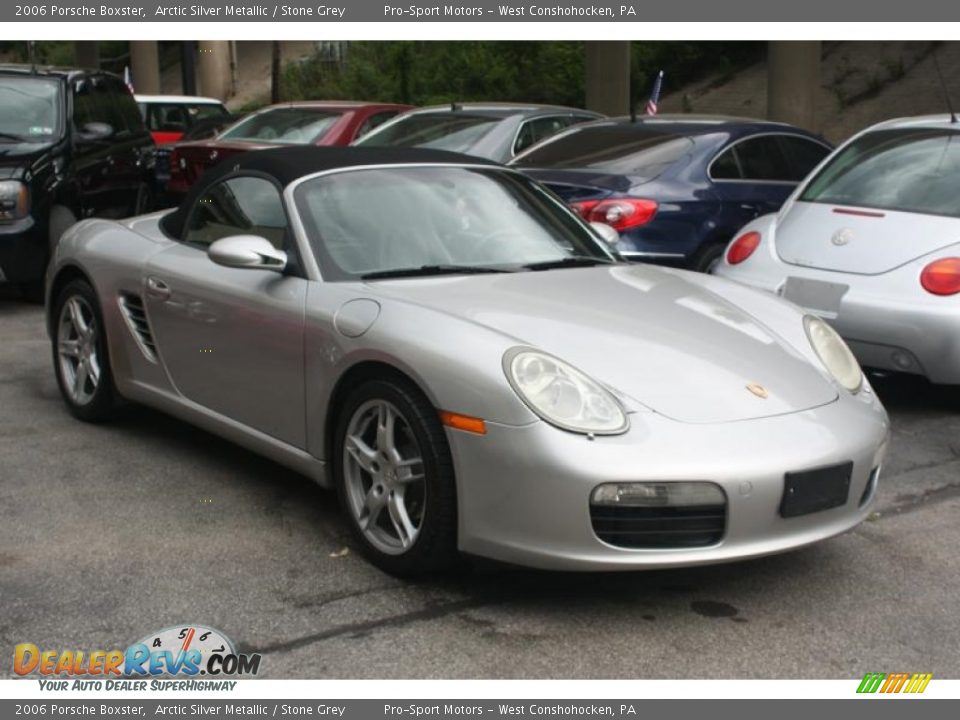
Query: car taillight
x=743, y=247
x=620, y=214
x=942, y=277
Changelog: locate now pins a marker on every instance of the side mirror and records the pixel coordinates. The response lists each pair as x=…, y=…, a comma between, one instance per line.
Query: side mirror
x=610, y=236
x=247, y=251
x=94, y=132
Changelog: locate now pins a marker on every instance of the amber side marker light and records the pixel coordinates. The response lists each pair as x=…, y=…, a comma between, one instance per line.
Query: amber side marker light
x=463, y=422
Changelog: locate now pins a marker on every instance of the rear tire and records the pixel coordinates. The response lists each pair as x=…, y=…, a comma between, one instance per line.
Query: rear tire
x=708, y=257
x=80, y=358
x=394, y=476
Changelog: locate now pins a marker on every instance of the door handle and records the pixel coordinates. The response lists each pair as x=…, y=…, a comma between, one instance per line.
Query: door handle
x=157, y=288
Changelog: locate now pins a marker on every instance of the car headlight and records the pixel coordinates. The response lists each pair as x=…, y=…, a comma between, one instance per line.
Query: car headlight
x=834, y=353
x=14, y=200
x=562, y=395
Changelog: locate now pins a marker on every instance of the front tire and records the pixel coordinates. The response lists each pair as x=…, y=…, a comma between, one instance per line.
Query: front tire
x=394, y=475
x=80, y=358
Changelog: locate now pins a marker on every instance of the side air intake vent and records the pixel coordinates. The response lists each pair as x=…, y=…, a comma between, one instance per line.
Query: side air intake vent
x=132, y=308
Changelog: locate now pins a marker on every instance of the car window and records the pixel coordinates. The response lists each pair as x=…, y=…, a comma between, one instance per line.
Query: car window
x=238, y=206
x=533, y=131
x=204, y=111
x=726, y=166
x=126, y=115
x=166, y=118
x=454, y=131
x=906, y=169
x=803, y=155
x=104, y=99
x=762, y=159
x=435, y=215
x=29, y=107
x=91, y=103
x=375, y=121
x=285, y=125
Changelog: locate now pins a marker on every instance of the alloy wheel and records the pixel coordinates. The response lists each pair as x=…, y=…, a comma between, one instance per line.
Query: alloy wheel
x=77, y=339
x=384, y=476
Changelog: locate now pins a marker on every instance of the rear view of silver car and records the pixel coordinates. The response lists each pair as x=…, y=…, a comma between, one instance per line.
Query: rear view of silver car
x=871, y=243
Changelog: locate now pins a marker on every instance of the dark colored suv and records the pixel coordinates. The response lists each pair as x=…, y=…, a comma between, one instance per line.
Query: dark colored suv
x=72, y=146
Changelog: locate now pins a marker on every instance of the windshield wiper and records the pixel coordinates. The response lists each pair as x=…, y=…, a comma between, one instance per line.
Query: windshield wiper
x=8, y=136
x=426, y=270
x=569, y=262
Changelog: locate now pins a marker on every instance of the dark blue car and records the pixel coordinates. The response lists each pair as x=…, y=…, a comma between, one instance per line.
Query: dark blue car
x=678, y=187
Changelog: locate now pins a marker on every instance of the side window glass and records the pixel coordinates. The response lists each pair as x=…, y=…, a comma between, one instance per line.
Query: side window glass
x=171, y=118
x=524, y=138
x=761, y=159
x=373, y=122
x=726, y=166
x=126, y=115
x=533, y=131
x=803, y=155
x=239, y=206
x=91, y=103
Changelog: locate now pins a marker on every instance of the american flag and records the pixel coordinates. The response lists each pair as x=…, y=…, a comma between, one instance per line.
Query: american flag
x=655, y=95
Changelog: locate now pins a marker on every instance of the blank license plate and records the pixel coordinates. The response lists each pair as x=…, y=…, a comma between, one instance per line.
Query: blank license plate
x=815, y=490
x=815, y=294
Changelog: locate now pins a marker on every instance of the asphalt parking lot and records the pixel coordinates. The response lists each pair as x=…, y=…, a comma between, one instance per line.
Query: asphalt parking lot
x=110, y=532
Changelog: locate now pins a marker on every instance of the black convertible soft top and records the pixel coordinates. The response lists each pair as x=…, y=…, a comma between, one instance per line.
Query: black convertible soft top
x=290, y=163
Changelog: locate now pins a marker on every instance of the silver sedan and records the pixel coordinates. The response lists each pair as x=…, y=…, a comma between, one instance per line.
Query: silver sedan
x=468, y=364
x=871, y=243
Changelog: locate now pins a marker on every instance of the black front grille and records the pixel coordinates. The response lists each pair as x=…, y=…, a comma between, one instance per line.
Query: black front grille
x=659, y=527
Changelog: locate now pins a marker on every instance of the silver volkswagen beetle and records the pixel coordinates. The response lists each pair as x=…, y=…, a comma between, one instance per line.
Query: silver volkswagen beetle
x=871, y=243
x=441, y=340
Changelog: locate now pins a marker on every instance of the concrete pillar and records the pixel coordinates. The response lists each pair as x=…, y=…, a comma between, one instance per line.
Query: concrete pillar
x=86, y=54
x=145, y=66
x=213, y=64
x=793, y=82
x=608, y=76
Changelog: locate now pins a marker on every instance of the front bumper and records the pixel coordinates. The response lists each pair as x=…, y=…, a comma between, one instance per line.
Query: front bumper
x=23, y=251
x=524, y=492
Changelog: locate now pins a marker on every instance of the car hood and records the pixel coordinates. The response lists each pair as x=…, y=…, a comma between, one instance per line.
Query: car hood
x=859, y=240
x=14, y=155
x=650, y=334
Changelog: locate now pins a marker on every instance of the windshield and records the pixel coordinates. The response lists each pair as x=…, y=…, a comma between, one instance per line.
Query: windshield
x=289, y=125
x=29, y=109
x=620, y=149
x=906, y=169
x=379, y=220
x=443, y=131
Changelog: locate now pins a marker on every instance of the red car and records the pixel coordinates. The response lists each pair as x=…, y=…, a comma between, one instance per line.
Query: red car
x=293, y=123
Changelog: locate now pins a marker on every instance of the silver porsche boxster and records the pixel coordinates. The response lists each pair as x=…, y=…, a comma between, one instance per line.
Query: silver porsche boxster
x=469, y=365
x=871, y=243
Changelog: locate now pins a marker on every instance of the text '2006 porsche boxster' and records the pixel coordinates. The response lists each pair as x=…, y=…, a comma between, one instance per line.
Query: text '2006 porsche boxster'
x=471, y=367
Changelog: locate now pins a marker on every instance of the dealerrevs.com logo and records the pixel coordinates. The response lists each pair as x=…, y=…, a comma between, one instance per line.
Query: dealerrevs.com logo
x=183, y=652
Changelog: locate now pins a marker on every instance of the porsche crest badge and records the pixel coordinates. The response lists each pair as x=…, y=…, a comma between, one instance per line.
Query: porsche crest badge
x=759, y=390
